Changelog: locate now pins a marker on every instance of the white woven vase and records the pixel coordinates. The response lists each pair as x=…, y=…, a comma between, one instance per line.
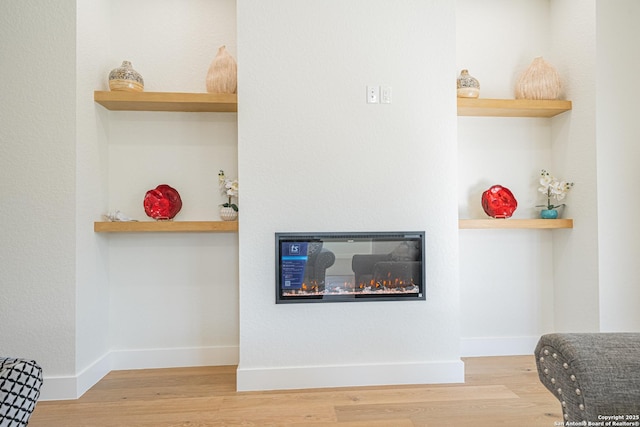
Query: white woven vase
x=539, y=81
x=228, y=214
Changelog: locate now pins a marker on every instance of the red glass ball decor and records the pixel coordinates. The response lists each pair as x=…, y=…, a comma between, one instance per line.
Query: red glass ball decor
x=162, y=203
x=498, y=202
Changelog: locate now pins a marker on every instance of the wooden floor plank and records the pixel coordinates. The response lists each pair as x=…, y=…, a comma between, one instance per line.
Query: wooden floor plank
x=370, y=423
x=498, y=391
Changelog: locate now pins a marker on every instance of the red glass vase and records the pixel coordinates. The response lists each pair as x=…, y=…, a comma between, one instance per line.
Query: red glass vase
x=499, y=202
x=162, y=203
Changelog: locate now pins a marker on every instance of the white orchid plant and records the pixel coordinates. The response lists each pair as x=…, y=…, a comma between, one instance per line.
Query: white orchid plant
x=553, y=189
x=229, y=189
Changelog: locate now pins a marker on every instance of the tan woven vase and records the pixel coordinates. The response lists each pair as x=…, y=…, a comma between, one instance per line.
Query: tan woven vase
x=222, y=76
x=539, y=81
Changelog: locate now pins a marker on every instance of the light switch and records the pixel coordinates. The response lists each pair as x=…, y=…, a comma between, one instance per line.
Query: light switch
x=385, y=95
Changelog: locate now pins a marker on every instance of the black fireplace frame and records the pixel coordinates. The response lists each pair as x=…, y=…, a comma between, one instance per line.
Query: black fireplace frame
x=285, y=263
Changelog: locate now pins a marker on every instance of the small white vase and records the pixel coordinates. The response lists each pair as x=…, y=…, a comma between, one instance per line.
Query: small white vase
x=228, y=214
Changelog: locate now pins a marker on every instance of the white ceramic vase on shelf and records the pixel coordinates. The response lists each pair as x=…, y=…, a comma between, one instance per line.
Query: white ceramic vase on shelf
x=228, y=214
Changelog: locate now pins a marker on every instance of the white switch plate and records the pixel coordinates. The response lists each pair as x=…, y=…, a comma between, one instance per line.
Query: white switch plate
x=373, y=93
x=385, y=95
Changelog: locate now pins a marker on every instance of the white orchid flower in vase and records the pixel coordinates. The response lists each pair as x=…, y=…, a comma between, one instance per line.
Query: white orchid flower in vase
x=553, y=188
x=229, y=189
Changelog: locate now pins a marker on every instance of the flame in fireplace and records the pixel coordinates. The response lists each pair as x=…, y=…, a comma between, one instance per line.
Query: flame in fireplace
x=383, y=286
x=312, y=287
x=387, y=283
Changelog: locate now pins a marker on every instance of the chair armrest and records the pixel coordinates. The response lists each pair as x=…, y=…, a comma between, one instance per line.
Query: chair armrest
x=325, y=259
x=593, y=375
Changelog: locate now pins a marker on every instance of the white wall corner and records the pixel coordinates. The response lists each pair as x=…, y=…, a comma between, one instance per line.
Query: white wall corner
x=498, y=346
x=72, y=387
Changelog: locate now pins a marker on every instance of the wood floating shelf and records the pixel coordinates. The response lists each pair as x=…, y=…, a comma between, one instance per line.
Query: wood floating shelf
x=482, y=107
x=165, y=226
x=167, y=101
x=514, y=223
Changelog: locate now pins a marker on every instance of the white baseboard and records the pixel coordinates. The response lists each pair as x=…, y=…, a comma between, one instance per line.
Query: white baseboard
x=285, y=378
x=498, y=346
x=72, y=387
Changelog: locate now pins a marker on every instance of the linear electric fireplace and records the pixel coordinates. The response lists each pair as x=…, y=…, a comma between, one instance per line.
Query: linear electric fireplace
x=343, y=267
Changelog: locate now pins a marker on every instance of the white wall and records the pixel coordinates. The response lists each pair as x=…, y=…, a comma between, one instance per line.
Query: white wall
x=92, y=292
x=541, y=280
x=37, y=183
x=618, y=131
x=506, y=275
x=313, y=156
x=575, y=252
x=173, y=299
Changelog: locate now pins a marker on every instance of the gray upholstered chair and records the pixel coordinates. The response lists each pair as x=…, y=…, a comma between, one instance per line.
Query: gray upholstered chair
x=595, y=376
x=403, y=263
x=318, y=261
x=20, y=382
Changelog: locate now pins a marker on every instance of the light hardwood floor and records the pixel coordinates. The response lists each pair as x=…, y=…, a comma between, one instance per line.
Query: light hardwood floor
x=498, y=391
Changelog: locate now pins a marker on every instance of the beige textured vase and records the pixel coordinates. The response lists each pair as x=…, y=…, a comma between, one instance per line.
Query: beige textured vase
x=222, y=76
x=539, y=81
